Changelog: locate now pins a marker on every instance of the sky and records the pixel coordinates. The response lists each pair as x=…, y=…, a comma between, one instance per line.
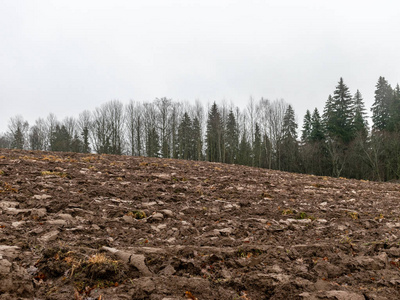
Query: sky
x=64, y=57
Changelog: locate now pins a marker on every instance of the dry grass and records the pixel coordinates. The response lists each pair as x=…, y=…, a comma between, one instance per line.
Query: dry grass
x=101, y=258
x=53, y=173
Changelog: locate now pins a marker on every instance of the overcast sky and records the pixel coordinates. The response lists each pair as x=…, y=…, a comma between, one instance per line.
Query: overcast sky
x=67, y=56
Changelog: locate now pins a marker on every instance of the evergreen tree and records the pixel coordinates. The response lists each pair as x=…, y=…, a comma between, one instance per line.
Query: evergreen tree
x=339, y=114
x=266, y=153
x=381, y=107
x=288, y=145
x=185, y=138
x=244, y=152
x=231, y=139
x=257, y=146
x=76, y=144
x=85, y=140
x=394, y=122
x=306, y=132
x=60, y=139
x=289, y=128
x=214, y=136
x=153, y=143
x=317, y=129
x=360, y=122
x=18, y=130
x=197, y=140
x=18, y=139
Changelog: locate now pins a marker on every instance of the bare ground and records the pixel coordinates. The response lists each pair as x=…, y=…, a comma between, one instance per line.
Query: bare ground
x=75, y=226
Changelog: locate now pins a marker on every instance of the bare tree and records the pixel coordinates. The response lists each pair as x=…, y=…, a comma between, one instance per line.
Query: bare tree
x=164, y=107
x=151, y=135
x=51, y=124
x=135, y=127
x=84, y=125
x=37, y=135
x=18, y=129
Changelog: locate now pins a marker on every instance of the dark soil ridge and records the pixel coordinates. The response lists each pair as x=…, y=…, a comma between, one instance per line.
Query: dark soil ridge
x=76, y=226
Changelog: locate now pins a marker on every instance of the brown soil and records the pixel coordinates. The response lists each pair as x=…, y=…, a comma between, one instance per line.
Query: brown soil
x=75, y=226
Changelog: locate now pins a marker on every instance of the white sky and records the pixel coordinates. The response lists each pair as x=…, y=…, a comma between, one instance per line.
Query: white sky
x=68, y=56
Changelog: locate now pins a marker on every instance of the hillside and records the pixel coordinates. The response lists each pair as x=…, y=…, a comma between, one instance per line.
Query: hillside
x=77, y=226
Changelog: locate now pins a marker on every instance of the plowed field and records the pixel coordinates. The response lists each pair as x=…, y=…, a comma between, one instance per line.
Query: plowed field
x=76, y=226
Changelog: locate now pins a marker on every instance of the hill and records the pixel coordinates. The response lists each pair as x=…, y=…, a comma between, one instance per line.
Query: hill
x=76, y=226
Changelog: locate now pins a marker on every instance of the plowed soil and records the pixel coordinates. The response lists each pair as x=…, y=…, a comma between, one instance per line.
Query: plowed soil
x=76, y=226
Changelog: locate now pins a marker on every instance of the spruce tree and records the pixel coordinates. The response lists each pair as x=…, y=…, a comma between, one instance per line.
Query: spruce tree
x=231, y=139
x=360, y=122
x=394, y=122
x=61, y=139
x=339, y=114
x=214, y=135
x=317, y=129
x=17, y=139
x=153, y=147
x=257, y=146
x=185, y=137
x=288, y=145
x=197, y=140
x=289, y=128
x=244, y=151
x=381, y=107
x=306, y=132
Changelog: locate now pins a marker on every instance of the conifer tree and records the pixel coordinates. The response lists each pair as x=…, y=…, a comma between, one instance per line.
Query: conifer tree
x=61, y=139
x=257, y=146
x=197, y=140
x=381, y=107
x=214, y=136
x=306, y=132
x=153, y=147
x=231, y=139
x=394, y=122
x=339, y=114
x=317, y=129
x=244, y=151
x=360, y=122
x=288, y=145
x=289, y=128
x=185, y=138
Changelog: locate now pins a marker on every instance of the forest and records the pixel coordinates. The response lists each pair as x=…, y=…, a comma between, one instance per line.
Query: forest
x=337, y=141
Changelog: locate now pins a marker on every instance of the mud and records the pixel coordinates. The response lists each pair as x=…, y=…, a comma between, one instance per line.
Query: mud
x=75, y=226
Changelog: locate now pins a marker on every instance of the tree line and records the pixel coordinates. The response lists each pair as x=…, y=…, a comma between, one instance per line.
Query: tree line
x=335, y=142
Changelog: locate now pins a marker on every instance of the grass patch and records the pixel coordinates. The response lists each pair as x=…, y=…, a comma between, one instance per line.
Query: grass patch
x=137, y=214
x=53, y=173
x=354, y=215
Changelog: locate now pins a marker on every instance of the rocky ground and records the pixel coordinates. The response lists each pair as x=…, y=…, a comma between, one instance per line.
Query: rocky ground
x=75, y=226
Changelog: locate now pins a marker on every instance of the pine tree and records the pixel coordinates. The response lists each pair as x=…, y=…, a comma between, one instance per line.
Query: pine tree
x=306, y=132
x=381, y=107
